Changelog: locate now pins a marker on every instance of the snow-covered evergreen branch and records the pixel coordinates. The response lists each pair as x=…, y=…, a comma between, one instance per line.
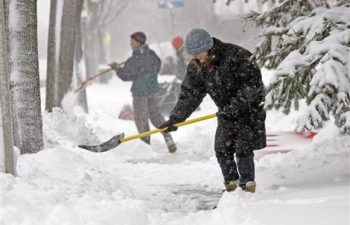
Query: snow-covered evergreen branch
x=311, y=59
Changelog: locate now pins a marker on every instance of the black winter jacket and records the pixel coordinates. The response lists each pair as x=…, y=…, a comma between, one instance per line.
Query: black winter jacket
x=235, y=85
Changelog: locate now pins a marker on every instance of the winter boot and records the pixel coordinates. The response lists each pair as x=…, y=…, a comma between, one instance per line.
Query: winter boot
x=249, y=186
x=231, y=185
x=169, y=142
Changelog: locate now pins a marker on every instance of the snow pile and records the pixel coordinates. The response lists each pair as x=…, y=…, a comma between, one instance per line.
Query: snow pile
x=59, y=186
x=326, y=160
x=65, y=129
x=69, y=102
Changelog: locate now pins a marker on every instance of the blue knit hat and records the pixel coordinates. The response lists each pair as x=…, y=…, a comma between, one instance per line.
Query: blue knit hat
x=197, y=41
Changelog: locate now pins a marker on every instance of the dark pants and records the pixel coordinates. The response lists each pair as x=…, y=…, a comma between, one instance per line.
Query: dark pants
x=145, y=108
x=227, y=149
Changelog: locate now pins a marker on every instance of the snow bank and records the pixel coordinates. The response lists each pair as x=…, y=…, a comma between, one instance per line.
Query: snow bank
x=325, y=161
x=58, y=186
x=63, y=185
x=65, y=129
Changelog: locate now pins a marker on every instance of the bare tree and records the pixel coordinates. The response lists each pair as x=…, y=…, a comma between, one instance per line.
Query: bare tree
x=60, y=51
x=99, y=15
x=6, y=143
x=24, y=78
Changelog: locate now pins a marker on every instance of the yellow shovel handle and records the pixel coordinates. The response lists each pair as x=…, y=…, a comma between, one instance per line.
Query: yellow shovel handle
x=148, y=133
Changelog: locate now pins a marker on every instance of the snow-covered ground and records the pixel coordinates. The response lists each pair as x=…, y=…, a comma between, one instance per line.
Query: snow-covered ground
x=137, y=184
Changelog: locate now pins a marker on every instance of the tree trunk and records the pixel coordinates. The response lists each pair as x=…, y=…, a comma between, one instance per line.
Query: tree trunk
x=6, y=142
x=82, y=100
x=89, y=42
x=102, y=56
x=24, y=78
x=51, y=60
x=60, y=51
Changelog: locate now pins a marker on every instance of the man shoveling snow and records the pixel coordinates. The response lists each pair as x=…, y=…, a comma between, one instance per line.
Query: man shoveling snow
x=225, y=72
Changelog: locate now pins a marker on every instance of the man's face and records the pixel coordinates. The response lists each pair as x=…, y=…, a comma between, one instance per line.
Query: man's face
x=202, y=57
x=134, y=44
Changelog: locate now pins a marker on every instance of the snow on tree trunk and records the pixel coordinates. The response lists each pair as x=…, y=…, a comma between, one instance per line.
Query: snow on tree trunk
x=24, y=78
x=6, y=142
x=311, y=61
x=60, y=51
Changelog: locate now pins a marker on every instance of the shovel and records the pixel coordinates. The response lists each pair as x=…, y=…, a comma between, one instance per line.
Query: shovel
x=120, y=138
x=89, y=80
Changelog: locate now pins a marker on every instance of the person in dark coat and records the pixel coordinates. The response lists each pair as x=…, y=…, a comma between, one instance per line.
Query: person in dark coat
x=225, y=72
x=142, y=69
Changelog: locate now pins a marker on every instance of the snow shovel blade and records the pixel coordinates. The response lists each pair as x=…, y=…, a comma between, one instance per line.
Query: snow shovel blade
x=106, y=146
